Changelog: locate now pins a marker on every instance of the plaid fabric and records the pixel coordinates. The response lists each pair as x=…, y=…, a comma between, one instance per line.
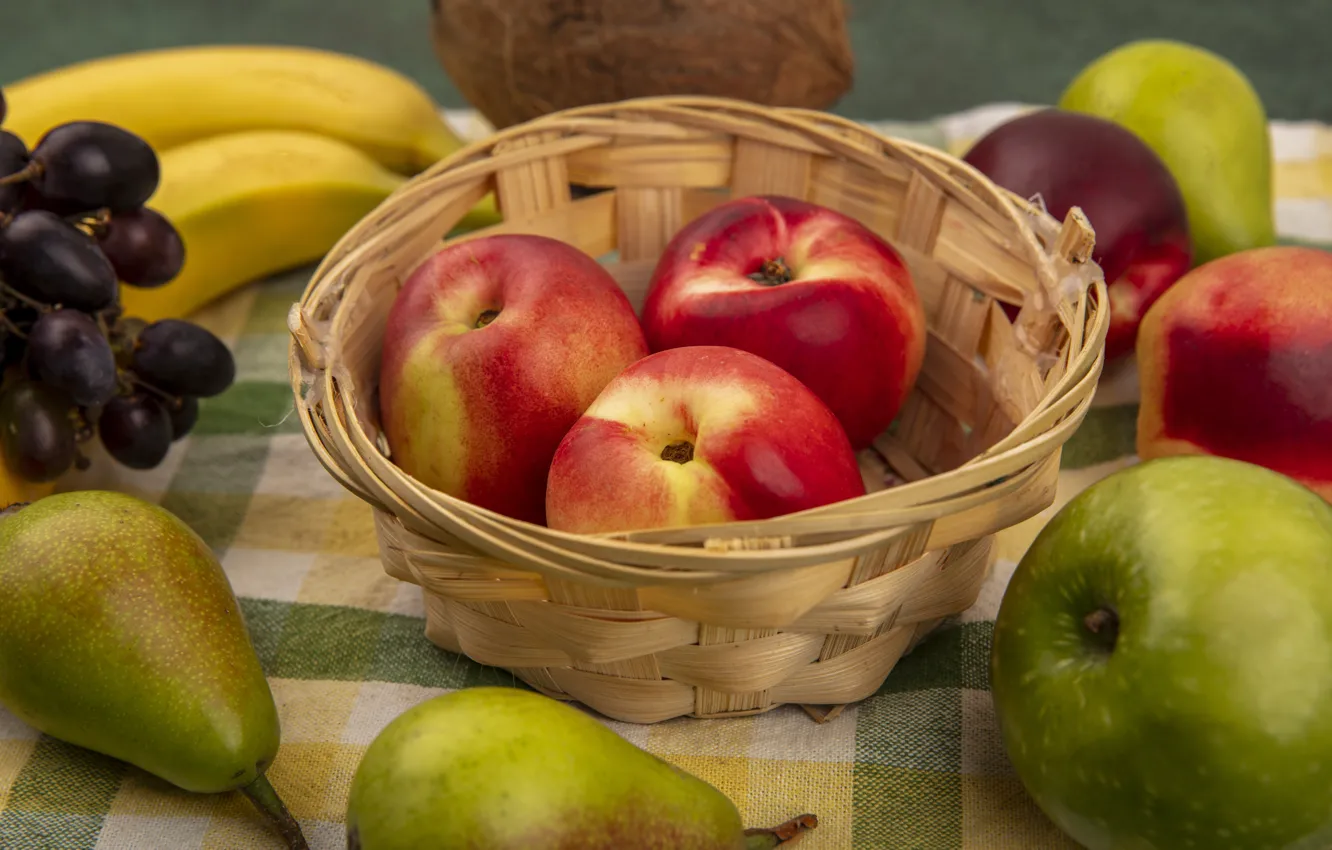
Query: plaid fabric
x=918, y=765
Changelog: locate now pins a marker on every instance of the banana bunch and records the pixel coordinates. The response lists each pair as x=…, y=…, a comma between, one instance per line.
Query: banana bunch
x=268, y=153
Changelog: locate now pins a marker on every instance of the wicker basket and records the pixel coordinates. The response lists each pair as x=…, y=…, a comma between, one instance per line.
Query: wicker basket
x=734, y=619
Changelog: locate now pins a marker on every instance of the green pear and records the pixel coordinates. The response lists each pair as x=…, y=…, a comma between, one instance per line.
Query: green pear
x=120, y=633
x=1203, y=118
x=504, y=768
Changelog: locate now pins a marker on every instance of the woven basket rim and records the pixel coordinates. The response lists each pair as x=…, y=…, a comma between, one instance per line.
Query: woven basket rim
x=1051, y=422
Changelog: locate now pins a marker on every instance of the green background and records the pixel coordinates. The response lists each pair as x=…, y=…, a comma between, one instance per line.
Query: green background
x=915, y=58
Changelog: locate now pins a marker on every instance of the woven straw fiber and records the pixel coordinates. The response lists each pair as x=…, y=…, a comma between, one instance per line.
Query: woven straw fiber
x=732, y=619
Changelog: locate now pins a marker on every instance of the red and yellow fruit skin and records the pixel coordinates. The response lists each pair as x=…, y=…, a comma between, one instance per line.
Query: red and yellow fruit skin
x=477, y=412
x=763, y=446
x=849, y=325
x=1236, y=360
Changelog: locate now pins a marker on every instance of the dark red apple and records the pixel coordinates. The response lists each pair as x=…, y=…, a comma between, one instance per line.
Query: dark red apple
x=1130, y=197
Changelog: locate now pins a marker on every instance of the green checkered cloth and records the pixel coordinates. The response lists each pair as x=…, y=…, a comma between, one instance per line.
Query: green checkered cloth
x=918, y=765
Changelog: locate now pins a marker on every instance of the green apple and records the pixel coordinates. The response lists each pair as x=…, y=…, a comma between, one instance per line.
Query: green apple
x=1162, y=661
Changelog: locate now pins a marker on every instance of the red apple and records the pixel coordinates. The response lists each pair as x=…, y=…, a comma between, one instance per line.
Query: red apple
x=806, y=287
x=694, y=435
x=492, y=350
x=1236, y=360
x=1130, y=197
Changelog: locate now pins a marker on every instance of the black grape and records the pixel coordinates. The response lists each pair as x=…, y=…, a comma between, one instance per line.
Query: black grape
x=68, y=351
x=13, y=159
x=36, y=431
x=50, y=260
x=89, y=165
x=136, y=430
x=143, y=247
x=3, y=106
x=184, y=414
x=183, y=359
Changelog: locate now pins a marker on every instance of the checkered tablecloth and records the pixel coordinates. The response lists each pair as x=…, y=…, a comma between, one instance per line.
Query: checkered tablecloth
x=918, y=765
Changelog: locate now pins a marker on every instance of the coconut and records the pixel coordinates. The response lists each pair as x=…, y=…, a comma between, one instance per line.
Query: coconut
x=515, y=60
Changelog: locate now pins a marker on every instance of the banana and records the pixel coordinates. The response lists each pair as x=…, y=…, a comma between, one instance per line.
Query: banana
x=14, y=489
x=251, y=204
x=178, y=95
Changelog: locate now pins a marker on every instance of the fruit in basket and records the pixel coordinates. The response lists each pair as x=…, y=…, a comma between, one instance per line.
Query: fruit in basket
x=1162, y=660
x=1202, y=116
x=505, y=768
x=1130, y=197
x=492, y=350
x=1236, y=360
x=521, y=59
x=804, y=286
x=696, y=435
x=120, y=633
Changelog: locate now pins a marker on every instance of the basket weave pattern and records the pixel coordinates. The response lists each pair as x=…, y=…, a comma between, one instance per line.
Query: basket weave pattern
x=733, y=619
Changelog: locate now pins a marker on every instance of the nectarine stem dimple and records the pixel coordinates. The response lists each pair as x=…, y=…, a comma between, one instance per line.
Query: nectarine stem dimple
x=772, y=273
x=486, y=318
x=1103, y=624
x=681, y=451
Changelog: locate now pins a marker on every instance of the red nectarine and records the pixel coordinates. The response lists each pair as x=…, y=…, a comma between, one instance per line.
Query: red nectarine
x=804, y=286
x=493, y=349
x=1236, y=360
x=694, y=435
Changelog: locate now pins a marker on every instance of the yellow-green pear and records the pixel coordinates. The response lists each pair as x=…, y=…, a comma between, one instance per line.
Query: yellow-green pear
x=508, y=769
x=1204, y=119
x=120, y=633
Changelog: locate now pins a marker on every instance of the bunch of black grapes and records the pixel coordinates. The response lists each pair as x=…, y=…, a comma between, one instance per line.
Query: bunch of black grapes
x=73, y=227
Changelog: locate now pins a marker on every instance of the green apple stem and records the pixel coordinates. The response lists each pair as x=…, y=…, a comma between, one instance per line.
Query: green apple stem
x=765, y=838
x=773, y=273
x=1103, y=624
x=260, y=792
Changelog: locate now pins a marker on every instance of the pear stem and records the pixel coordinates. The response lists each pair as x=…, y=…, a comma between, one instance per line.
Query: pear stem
x=260, y=792
x=765, y=838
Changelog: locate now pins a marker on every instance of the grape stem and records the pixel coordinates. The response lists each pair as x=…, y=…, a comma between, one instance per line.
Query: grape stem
x=23, y=299
x=135, y=380
x=31, y=170
x=11, y=327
